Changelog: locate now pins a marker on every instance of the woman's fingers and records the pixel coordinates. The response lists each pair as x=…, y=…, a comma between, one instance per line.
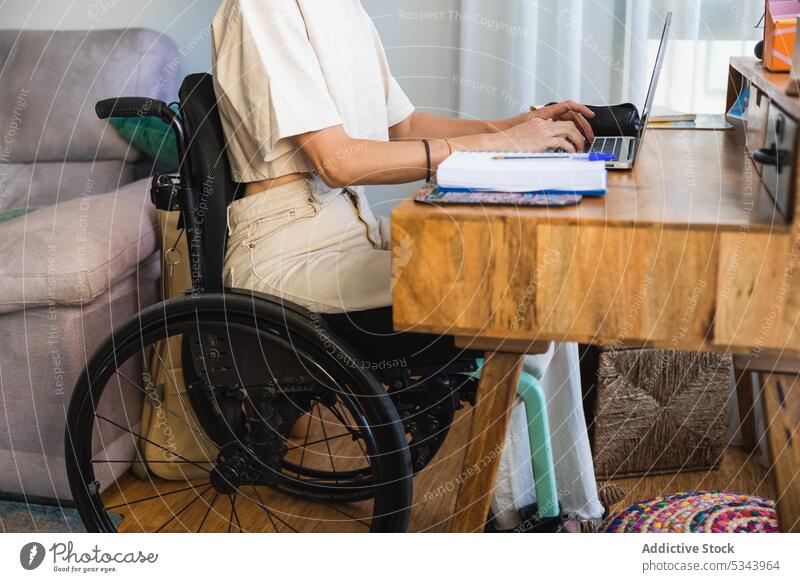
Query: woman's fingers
x=547, y=131
x=583, y=125
x=560, y=143
x=559, y=110
x=569, y=130
x=580, y=109
x=570, y=111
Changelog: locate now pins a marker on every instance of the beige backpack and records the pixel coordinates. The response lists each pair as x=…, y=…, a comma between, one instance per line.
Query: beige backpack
x=167, y=414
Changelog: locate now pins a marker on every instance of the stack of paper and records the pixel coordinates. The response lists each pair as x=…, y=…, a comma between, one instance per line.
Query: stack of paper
x=510, y=172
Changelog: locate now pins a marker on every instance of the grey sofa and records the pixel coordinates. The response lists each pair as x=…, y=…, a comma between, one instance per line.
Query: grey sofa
x=86, y=259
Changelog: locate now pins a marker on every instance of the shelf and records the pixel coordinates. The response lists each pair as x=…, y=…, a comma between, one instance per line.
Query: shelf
x=773, y=84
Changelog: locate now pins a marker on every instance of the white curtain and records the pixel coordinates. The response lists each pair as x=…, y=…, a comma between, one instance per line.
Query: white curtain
x=518, y=52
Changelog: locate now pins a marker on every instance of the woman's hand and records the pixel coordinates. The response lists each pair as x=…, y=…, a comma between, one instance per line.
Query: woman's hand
x=568, y=111
x=540, y=135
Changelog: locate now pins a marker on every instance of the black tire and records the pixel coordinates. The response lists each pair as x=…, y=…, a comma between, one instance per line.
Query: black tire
x=389, y=484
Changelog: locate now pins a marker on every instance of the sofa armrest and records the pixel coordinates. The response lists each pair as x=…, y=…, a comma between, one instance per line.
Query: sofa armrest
x=71, y=253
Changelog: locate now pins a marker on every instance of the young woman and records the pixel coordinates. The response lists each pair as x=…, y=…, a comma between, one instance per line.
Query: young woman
x=312, y=112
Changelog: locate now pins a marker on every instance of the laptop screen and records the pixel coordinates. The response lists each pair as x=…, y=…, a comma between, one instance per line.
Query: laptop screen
x=651, y=92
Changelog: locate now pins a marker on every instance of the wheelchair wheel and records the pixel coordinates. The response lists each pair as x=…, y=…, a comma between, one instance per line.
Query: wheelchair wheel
x=258, y=371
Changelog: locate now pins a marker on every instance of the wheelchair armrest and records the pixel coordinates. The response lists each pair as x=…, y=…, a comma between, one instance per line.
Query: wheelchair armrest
x=130, y=107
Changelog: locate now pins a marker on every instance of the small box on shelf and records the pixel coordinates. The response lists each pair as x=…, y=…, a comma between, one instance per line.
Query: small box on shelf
x=780, y=27
x=793, y=88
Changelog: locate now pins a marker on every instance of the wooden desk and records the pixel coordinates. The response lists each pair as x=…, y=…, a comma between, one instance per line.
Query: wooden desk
x=686, y=252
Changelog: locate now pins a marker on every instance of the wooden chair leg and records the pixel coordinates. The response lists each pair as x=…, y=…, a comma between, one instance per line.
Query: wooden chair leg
x=497, y=391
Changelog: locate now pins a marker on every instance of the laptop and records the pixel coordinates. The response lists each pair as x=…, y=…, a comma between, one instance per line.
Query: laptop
x=626, y=148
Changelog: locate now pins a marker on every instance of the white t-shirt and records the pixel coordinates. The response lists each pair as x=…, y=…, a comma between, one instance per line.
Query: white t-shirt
x=286, y=67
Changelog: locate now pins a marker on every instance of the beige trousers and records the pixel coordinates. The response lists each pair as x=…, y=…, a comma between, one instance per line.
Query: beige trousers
x=320, y=248
x=325, y=250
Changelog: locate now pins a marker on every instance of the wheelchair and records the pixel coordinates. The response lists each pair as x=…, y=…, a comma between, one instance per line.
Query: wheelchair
x=303, y=426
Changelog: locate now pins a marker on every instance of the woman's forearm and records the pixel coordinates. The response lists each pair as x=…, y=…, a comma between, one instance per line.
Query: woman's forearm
x=409, y=162
x=422, y=125
x=344, y=161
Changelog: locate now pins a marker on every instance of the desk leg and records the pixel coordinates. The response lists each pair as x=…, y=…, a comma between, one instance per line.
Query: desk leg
x=490, y=418
x=747, y=418
x=781, y=398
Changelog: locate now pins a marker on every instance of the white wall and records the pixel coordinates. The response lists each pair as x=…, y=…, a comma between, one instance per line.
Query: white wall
x=423, y=55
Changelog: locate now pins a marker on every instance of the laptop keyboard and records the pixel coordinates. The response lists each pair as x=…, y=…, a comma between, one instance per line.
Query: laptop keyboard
x=607, y=145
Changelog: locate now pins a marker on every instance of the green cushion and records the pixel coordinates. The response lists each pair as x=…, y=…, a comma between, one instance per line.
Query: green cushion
x=151, y=136
x=12, y=214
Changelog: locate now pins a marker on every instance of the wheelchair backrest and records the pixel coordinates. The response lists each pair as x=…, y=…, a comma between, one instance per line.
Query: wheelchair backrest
x=211, y=173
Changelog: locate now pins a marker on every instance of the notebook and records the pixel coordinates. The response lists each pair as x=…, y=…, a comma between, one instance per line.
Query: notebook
x=436, y=197
x=549, y=174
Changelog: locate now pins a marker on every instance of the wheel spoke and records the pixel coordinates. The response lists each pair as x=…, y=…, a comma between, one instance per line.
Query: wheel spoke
x=185, y=507
x=263, y=506
x=205, y=517
x=340, y=417
x=164, y=365
x=327, y=445
x=157, y=496
x=305, y=439
x=236, y=515
x=195, y=429
x=151, y=442
x=353, y=517
x=303, y=446
x=334, y=484
x=269, y=514
x=337, y=413
x=178, y=392
x=102, y=461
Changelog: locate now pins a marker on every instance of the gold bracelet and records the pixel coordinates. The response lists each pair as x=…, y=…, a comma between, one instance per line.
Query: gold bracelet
x=449, y=145
x=533, y=108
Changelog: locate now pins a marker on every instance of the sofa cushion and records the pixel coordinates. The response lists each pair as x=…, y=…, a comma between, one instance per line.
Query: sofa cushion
x=70, y=253
x=152, y=136
x=44, y=352
x=51, y=81
x=42, y=184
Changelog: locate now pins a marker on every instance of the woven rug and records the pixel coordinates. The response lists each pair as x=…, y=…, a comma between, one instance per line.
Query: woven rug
x=698, y=511
x=19, y=517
